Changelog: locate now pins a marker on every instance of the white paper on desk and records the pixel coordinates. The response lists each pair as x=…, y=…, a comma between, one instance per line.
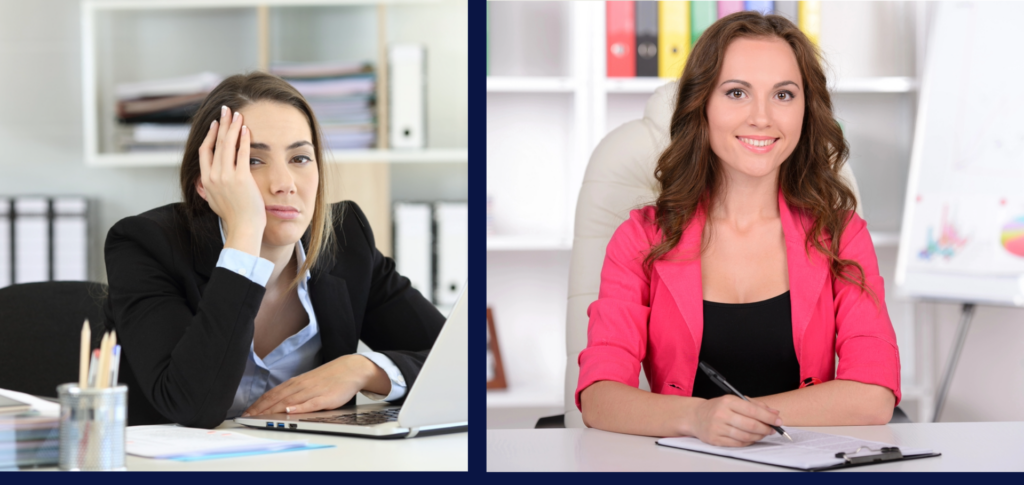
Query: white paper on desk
x=162, y=441
x=43, y=407
x=809, y=449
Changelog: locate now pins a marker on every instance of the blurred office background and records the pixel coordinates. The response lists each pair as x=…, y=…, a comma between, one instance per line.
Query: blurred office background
x=69, y=66
x=550, y=102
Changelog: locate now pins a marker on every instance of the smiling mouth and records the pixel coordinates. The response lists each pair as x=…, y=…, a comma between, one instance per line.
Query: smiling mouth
x=757, y=143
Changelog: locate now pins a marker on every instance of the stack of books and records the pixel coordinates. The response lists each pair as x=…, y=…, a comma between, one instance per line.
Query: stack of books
x=343, y=97
x=28, y=440
x=154, y=115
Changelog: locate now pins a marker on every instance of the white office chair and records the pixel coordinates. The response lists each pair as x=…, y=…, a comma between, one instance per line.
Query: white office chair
x=619, y=178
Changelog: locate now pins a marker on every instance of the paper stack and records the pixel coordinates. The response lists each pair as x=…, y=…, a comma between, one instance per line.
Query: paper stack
x=27, y=441
x=154, y=115
x=342, y=95
x=30, y=439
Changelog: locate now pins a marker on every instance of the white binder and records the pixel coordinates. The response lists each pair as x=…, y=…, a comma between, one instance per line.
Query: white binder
x=452, y=220
x=31, y=240
x=407, y=110
x=70, y=239
x=413, y=241
x=5, y=242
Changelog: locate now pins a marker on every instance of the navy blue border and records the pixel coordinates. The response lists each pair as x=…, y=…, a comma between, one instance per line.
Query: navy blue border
x=477, y=169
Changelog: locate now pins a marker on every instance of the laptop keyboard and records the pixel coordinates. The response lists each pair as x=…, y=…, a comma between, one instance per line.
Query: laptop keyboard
x=374, y=417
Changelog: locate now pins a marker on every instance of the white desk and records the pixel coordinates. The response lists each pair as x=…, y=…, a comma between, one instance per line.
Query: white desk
x=447, y=452
x=964, y=447
x=519, y=417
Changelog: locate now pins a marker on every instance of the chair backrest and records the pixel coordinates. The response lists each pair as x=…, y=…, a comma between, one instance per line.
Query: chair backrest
x=40, y=333
x=619, y=178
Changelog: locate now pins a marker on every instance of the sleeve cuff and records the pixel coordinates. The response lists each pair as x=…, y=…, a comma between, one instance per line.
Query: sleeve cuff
x=394, y=374
x=257, y=269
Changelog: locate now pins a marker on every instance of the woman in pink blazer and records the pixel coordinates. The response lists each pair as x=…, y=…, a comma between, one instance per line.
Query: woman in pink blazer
x=752, y=260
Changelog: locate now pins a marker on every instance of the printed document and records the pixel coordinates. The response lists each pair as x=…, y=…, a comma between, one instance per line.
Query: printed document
x=809, y=449
x=160, y=441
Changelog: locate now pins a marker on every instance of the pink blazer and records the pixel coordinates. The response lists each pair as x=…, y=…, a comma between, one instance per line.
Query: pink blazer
x=659, y=321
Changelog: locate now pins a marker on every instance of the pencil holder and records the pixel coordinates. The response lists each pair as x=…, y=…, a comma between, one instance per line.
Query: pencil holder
x=92, y=427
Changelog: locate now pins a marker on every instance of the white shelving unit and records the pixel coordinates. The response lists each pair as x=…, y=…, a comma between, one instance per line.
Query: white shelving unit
x=529, y=91
x=251, y=45
x=531, y=84
x=173, y=159
x=139, y=40
x=891, y=84
x=591, y=95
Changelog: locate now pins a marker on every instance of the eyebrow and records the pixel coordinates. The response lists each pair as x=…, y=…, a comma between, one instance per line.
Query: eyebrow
x=777, y=85
x=264, y=146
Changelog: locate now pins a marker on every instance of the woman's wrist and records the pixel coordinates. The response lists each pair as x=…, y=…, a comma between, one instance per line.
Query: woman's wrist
x=245, y=243
x=686, y=420
x=371, y=377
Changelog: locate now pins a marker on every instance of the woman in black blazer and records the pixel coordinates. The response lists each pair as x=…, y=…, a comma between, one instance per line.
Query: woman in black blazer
x=255, y=265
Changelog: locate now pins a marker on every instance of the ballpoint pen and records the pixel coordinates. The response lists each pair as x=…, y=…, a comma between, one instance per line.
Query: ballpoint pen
x=115, y=365
x=724, y=384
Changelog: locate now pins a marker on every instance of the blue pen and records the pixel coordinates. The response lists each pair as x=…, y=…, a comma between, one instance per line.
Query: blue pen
x=115, y=364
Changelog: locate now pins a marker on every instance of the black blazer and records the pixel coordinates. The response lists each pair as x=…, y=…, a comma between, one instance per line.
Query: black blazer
x=185, y=325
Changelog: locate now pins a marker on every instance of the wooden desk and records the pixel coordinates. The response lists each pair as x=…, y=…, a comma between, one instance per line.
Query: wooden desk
x=964, y=447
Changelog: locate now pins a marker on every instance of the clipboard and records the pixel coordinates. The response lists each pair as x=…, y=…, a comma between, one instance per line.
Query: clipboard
x=885, y=454
x=861, y=456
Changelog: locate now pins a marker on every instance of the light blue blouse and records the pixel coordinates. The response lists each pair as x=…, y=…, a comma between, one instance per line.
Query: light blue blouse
x=298, y=353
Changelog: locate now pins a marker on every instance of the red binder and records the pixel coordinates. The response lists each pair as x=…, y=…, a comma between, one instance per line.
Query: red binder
x=621, y=39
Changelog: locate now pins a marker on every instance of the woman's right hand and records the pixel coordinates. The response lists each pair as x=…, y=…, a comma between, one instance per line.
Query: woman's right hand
x=227, y=184
x=731, y=421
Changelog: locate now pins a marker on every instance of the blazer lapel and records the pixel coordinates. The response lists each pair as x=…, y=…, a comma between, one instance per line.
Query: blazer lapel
x=807, y=270
x=680, y=272
x=335, y=318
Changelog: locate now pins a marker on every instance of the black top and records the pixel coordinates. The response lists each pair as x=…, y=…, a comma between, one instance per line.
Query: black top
x=185, y=325
x=751, y=345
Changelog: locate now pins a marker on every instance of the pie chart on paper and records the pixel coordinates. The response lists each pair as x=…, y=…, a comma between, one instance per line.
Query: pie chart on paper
x=1012, y=237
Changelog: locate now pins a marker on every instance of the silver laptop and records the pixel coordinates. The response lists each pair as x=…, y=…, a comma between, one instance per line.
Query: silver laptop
x=437, y=403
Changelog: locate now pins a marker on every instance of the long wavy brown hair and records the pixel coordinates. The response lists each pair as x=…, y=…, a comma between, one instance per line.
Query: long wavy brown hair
x=237, y=92
x=690, y=173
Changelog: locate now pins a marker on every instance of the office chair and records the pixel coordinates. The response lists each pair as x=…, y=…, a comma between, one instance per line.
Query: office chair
x=619, y=178
x=40, y=333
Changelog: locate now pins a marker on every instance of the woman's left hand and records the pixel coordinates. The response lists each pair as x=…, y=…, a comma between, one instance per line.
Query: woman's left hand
x=329, y=386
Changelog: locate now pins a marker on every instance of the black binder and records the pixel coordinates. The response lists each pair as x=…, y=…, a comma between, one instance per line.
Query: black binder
x=647, y=39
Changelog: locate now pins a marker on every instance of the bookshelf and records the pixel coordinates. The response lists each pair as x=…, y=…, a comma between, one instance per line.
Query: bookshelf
x=131, y=40
x=173, y=159
x=126, y=41
x=549, y=107
x=864, y=85
x=524, y=84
